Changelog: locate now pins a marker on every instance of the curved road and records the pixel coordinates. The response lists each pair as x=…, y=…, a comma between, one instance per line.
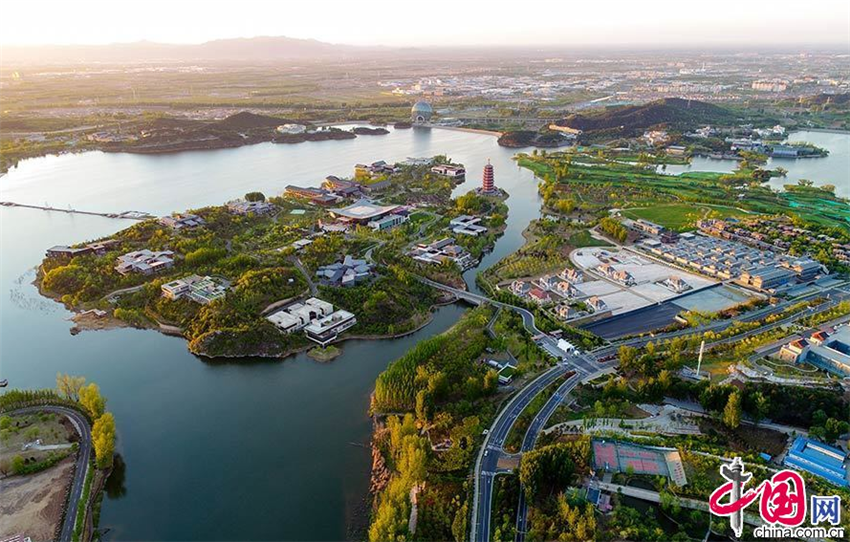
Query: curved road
x=486, y=466
x=83, y=459
x=530, y=440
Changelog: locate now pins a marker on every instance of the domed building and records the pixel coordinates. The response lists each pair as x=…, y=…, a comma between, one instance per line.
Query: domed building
x=421, y=112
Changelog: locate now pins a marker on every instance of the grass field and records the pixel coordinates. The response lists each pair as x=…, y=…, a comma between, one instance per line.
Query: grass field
x=581, y=239
x=665, y=199
x=682, y=216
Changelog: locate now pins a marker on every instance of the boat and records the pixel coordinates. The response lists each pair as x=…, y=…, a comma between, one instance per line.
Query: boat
x=4, y=383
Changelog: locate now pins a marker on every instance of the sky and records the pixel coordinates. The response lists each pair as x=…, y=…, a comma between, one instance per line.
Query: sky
x=431, y=23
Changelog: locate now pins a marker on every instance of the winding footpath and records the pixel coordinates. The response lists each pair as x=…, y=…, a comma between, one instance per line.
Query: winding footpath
x=81, y=425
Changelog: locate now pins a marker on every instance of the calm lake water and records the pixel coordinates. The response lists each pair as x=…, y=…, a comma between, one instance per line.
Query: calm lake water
x=250, y=450
x=833, y=169
x=254, y=450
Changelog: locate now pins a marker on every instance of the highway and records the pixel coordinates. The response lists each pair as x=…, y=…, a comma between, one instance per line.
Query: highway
x=83, y=460
x=530, y=439
x=486, y=466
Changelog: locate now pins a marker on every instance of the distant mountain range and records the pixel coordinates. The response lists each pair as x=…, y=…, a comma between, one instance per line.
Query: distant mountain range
x=260, y=50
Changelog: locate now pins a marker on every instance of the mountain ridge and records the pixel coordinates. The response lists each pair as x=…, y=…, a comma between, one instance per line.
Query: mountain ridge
x=258, y=49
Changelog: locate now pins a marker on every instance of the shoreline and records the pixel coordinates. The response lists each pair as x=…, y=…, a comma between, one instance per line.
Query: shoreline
x=331, y=124
x=86, y=320
x=468, y=130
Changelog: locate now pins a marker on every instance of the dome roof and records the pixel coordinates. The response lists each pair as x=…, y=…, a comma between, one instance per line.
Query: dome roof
x=421, y=107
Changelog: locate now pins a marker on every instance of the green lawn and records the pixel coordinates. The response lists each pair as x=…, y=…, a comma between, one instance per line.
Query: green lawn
x=682, y=216
x=583, y=238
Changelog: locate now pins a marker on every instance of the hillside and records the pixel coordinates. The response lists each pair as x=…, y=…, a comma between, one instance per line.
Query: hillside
x=835, y=100
x=246, y=120
x=633, y=120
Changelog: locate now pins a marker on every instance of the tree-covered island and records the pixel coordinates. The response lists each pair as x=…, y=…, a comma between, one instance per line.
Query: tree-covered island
x=218, y=275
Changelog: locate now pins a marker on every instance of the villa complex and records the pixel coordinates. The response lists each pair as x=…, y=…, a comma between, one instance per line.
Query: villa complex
x=203, y=290
x=316, y=317
x=145, y=262
x=349, y=272
x=724, y=259
x=444, y=250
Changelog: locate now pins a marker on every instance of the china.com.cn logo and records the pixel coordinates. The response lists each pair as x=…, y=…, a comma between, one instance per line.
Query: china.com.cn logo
x=782, y=500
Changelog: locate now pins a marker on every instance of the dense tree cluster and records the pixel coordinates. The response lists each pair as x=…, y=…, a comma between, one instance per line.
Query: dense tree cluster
x=442, y=367
x=547, y=470
x=613, y=228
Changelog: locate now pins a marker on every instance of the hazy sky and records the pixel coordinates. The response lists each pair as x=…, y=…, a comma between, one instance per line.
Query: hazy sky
x=435, y=22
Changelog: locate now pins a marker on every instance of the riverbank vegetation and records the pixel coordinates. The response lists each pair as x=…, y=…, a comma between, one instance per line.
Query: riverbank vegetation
x=441, y=397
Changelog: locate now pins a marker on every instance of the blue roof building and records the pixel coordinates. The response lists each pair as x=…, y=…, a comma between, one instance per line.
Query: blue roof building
x=818, y=459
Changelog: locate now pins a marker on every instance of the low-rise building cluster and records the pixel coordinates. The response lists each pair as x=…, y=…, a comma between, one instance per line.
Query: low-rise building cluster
x=450, y=171
x=375, y=169
x=242, y=207
x=316, y=317
x=675, y=284
x=318, y=196
x=772, y=235
x=179, y=221
x=830, y=353
x=364, y=212
x=731, y=260
x=145, y=262
x=442, y=251
x=335, y=190
x=467, y=225
x=203, y=290
x=618, y=275
x=62, y=252
x=646, y=227
x=349, y=272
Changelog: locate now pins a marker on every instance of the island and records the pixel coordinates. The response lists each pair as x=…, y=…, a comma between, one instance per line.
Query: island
x=272, y=277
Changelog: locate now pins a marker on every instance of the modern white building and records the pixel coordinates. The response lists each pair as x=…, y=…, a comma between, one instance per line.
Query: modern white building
x=291, y=128
x=446, y=170
x=387, y=222
x=203, y=290
x=298, y=315
x=326, y=330
x=467, y=225
x=241, y=207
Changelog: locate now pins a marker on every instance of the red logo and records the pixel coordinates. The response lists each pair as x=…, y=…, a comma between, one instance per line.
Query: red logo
x=783, y=497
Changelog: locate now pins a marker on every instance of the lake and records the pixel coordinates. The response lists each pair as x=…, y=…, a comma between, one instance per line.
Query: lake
x=833, y=169
x=249, y=450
